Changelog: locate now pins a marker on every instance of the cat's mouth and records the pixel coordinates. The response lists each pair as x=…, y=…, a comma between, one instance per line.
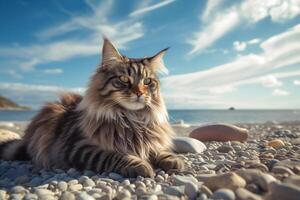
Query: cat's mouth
x=134, y=103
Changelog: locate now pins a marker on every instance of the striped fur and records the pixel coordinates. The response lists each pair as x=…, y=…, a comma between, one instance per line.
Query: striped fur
x=119, y=126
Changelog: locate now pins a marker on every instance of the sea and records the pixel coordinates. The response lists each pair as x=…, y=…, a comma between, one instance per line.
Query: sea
x=194, y=117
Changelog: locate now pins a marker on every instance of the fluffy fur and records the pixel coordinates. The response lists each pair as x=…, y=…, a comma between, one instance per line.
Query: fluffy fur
x=120, y=124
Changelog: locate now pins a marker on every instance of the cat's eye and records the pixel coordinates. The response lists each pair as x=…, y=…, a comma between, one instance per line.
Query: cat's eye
x=147, y=81
x=124, y=79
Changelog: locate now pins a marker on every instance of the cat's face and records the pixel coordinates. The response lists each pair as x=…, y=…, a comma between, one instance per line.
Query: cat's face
x=129, y=83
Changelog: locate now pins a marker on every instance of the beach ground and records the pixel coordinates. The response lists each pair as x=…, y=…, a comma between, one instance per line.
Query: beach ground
x=226, y=170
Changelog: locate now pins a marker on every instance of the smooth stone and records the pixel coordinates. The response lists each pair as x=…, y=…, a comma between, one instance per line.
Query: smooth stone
x=276, y=143
x=115, y=176
x=3, y=194
x=190, y=190
x=224, y=194
x=62, y=186
x=293, y=179
x=181, y=180
x=88, y=183
x=67, y=196
x=30, y=196
x=188, y=145
x=228, y=180
x=280, y=191
x=75, y=187
x=293, y=165
x=18, y=190
x=175, y=190
x=205, y=190
x=124, y=194
x=6, y=135
x=220, y=132
x=16, y=197
x=282, y=170
x=257, y=177
x=84, y=196
x=202, y=197
x=243, y=194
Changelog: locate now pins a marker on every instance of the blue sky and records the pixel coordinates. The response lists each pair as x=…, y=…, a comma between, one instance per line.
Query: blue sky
x=223, y=53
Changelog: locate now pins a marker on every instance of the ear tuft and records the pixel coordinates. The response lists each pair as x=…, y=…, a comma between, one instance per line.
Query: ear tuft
x=157, y=62
x=110, y=54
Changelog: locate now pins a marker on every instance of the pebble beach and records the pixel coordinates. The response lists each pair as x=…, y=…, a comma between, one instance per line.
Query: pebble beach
x=265, y=166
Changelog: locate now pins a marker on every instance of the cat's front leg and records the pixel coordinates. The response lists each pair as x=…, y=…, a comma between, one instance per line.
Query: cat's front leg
x=166, y=161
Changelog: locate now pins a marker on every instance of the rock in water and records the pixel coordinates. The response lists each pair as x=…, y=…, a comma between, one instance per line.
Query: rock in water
x=6, y=135
x=276, y=143
x=281, y=191
x=220, y=132
x=188, y=145
x=229, y=180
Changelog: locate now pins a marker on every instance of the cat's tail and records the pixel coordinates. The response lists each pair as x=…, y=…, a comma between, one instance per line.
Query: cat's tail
x=15, y=149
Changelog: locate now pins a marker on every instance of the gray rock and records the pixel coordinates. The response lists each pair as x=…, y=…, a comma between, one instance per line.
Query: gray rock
x=67, y=196
x=188, y=145
x=224, y=194
x=62, y=186
x=181, y=180
x=115, y=176
x=282, y=170
x=202, y=197
x=124, y=194
x=88, y=183
x=15, y=197
x=43, y=192
x=175, y=190
x=190, y=190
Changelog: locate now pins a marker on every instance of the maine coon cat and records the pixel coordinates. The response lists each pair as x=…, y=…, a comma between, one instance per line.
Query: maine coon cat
x=120, y=124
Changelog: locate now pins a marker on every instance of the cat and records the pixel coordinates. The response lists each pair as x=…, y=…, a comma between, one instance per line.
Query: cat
x=119, y=125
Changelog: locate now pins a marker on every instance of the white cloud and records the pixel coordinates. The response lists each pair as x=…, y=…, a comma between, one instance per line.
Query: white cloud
x=282, y=50
x=254, y=41
x=146, y=9
x=53, y=71
x=296, y=82
x=239, y=46
x=95, y=25
x=224, y=20
x=270, y=81
x=279, y=92
x=211, y=7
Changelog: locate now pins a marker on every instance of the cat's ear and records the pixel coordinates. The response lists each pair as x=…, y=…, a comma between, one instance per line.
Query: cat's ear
x=110, y=54
x=157, y=63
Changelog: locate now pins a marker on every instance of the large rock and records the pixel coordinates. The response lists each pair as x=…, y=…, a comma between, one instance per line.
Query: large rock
x=257, y=177
x=243, y=194
x=6, y=135
x=220, y=132
x=188, y=145
x=282, y=191
x=229, y=180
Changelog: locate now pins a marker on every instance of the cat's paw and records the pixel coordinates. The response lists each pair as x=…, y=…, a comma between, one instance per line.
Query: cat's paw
x=137, y=167
x=171, y=162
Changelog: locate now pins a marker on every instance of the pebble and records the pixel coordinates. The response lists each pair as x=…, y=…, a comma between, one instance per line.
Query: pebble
x=276, y=143
x=75, y=187
x=88, y=183
x=30, y=196
x=243, y=194
x=67, y=196
x=18, y=190
x=190, y=190
x=280, y=191
x=188, y=145
x=115, y=176
x=225, y=149
x=224, y=194
x=293, y=179
x=282, y=170
x=84, y=196
x=181, y=180
x=62, y=185
x=175, y=190
x=229, y=180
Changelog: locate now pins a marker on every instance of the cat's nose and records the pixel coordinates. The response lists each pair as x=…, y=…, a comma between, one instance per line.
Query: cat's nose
x=139, y=93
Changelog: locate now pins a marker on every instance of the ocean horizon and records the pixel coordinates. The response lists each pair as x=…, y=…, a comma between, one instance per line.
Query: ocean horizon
x=196, y=116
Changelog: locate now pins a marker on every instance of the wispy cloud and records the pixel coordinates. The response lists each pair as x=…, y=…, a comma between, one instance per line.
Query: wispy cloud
x=149, y=8
x=217, y=24
x=242, y=45
x=296, y=82
x=53, y=71
x=280, y=92
x=96, y=24
x=282, y=50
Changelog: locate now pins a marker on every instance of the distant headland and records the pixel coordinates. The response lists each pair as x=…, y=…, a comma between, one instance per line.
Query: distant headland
x=7, y=104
